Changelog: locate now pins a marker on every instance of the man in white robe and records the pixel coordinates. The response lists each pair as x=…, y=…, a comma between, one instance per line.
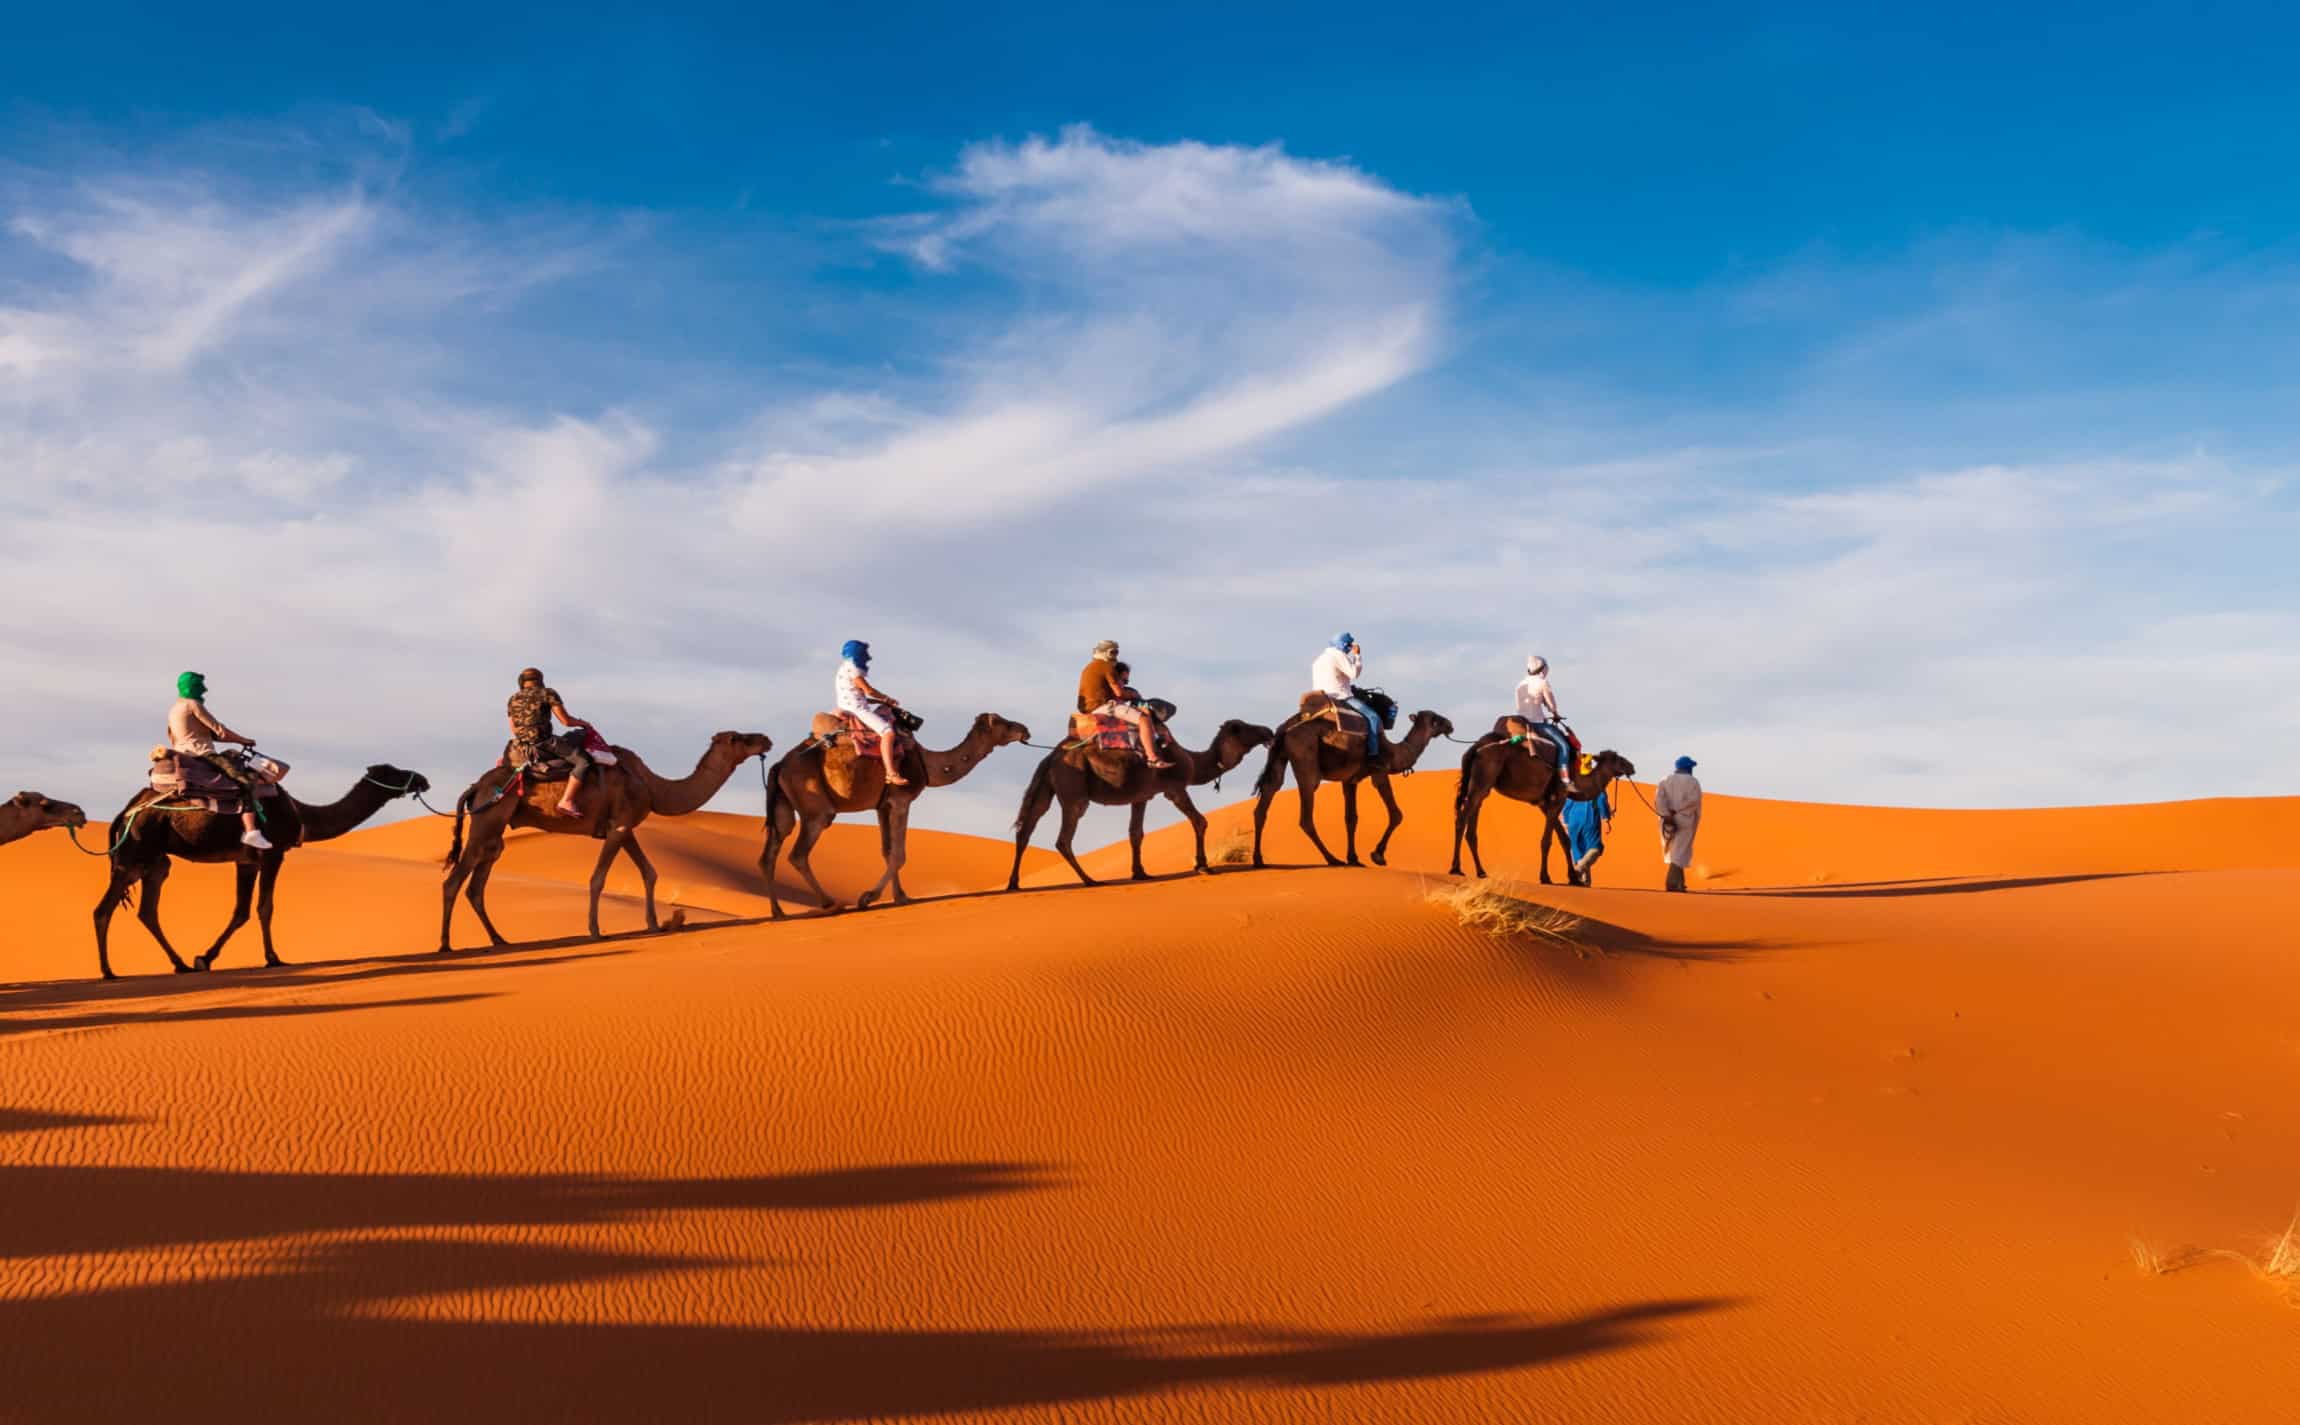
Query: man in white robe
x=1678, y=800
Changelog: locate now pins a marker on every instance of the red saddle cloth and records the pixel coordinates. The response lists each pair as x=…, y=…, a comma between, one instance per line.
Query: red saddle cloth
x=865, y=741
x=1104, y=733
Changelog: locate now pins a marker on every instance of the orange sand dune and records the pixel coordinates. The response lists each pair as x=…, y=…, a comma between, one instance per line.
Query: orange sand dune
x=1291, y=1145
x=1748, y=841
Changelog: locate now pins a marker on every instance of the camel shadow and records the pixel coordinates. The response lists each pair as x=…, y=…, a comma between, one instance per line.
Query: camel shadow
x=162, y=991
x=316, y=1329
x=49, y=1024
x=303, y=1344
x=1928, y=886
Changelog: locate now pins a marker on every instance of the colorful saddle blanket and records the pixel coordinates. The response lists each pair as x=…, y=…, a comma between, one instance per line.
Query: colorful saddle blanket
x=850, y=730
x=1103, y=733
x=191, y=781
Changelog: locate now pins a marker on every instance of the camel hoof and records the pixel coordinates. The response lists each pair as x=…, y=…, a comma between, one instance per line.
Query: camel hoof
x=446, y=949
x=1379, y=859
x=1139, y=876
x=274, y=962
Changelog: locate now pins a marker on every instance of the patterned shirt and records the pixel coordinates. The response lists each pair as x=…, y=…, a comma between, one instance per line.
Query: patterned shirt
x=531, y=710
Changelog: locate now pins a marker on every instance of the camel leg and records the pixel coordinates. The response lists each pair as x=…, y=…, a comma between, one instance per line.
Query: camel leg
x=1261, y=814
x=267, y=880
x=1350, y=822
x=1460, y=811
x=1306, y=782
x=485, y=845
x=1180, y=797
x=778, y=826
x=1550, y=830
x=610, y=847
x=476, y=893
x=1072, y=811
x=117, y=891
x=1381, y=852
x=155, y=876
x=243, y=893
x=1035, y=801
x=646, y=875
x=1136, y=815
x=811, y=828
x=1479, y=790
x=895, y=838
x=886, y=850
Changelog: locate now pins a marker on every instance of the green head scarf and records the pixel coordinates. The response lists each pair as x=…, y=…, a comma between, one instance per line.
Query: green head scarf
x=191, y=685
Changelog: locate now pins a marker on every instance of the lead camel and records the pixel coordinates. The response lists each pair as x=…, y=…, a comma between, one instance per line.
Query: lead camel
x=27, y=812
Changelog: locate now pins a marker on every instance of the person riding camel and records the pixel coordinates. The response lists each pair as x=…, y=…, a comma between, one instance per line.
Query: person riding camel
x=532, y=741
x=867, y=705
x=1537, y=705
x=1103, y=693
x=1336, y=673
x=193, y=732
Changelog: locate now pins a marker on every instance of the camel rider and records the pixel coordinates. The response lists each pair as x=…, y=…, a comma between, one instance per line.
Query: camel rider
x=1335, y=673
x=193, y=732
x=531, y=710
x=1537, y=705
x=1102, y=692
x=867, y=705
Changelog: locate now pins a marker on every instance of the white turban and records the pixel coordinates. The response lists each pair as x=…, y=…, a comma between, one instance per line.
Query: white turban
x=1536, y=665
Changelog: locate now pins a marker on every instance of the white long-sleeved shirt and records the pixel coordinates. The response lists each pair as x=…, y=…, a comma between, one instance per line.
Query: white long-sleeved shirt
x=1678, y=796
x=1535, y=702
x=193, y=729
x=1335, y=672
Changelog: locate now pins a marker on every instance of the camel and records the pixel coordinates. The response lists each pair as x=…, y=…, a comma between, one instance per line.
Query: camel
x=1070, y=778
x=144, y=842
x=612, y=802
x=1303, y=744
x=27, y=812
x=803, y=790
x=1495, y=764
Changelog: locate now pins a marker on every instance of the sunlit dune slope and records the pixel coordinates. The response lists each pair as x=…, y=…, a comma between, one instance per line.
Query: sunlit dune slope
x=376, y=891
x=1282, y=1146
x=1744, y=841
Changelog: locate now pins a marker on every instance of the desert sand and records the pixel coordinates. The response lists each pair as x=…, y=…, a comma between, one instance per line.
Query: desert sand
x=1866, y=1130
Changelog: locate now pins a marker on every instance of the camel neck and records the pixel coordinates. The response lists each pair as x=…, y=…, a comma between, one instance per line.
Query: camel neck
x=688, y=793
x=332, y=819
x=944, y=768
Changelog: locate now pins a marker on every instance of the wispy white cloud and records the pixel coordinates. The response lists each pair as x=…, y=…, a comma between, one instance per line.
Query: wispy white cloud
x=238, y=434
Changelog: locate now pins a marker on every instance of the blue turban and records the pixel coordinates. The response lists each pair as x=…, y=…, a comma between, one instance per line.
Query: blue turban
x=855, y=651
x=1344, y=640
x=1685, y=764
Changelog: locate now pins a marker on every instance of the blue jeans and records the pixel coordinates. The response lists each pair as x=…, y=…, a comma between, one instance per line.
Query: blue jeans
x=1373, y=719
x=1556, y=736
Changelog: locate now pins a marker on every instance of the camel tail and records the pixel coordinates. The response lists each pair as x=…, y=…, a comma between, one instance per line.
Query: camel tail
x=1461, y=790
x=462, y=807
x=774, y=793
x=1041, y=782
x=1273, y=773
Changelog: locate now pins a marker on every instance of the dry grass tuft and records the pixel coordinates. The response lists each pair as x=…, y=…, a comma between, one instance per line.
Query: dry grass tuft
x=1486, y=907
x=2283, y=1260
x=1234, y=847
x=2145, y=1260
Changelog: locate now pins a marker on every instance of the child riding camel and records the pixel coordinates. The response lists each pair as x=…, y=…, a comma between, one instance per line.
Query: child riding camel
x=867, y=705
x=531, y=710
x=1103, y=692
x=193, y=732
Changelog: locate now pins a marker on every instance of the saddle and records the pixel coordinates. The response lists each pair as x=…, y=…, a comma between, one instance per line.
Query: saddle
x=190, y=781
x=1534, y=744
x=558, y=767
x=1105, y=733
x=1321, y=707
x=845, y=731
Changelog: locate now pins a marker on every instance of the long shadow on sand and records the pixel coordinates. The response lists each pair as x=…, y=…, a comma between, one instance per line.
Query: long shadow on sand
x=299, y=1339
x=1943, y=886
x=55, y=1210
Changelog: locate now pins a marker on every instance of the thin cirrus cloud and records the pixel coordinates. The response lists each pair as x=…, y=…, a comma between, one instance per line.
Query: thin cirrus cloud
x=1216, y=401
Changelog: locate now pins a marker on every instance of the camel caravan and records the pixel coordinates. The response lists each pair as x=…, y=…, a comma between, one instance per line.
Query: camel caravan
x=211, y=797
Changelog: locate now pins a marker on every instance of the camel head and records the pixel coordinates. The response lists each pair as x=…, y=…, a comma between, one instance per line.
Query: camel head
x=1248, y=735
x=1611, y=764
x=742, y=744
x=398, y=781
x=1001, y=732
x=1439, y=724
x=48, y=811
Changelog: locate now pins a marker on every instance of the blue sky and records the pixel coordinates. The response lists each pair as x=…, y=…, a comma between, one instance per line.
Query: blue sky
x=1890, y=413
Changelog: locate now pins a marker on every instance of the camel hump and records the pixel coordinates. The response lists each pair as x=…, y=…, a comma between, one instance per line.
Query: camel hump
x=822, y=725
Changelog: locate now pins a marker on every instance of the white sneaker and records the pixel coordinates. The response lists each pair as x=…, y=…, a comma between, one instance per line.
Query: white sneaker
x=255, y=839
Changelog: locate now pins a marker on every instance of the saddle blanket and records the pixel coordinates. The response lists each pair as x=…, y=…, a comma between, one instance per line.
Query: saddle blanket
x=858, y=736
x=1103, y=733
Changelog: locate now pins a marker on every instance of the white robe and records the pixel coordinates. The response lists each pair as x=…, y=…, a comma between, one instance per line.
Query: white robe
x=1678, y=798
